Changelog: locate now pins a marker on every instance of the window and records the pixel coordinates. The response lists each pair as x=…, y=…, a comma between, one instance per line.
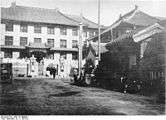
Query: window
x=85, y=34
x=50, y=42
x=50, y=30
x=74, y=32
x=50, y=56
x=23, y=28
x=63, y=44
x=63, y=55
x=74, y=44
x=37, y=29
x=8, y=40
x=91, y=34
x=37, y=40
x=63, y=31
x=9, y=27
x=8, y=54
x=74, y=56
x=23, y=41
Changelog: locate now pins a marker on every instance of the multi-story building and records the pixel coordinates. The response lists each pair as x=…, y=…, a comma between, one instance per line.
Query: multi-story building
x=42, y=33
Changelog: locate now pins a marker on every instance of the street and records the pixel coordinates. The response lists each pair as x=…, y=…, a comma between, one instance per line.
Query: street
x=39, y=96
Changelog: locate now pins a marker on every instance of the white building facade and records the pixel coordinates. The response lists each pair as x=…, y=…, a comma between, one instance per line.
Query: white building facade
x=45, y=34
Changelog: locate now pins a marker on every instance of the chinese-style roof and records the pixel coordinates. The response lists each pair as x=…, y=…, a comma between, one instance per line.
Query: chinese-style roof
x=142, y=19
x=161, y=18
x=162, y=23
x=135, y=18
x=120, y=40
x=85, y=21
x=147, y=32
x=91, y=51
x=33, y=14
x=90, y=56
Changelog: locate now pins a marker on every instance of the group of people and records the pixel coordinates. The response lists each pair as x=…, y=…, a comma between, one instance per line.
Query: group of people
x=53, y=71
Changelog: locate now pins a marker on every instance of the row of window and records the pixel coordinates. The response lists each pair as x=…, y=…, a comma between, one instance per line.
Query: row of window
x=37, y=29
x=8, y=54
x=50, y=42
x=50, y=30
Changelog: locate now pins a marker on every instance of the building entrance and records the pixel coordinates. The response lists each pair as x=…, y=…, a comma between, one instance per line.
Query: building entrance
x=40, y=62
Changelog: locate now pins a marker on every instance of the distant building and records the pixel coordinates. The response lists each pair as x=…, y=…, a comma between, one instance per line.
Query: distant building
x=44, y=33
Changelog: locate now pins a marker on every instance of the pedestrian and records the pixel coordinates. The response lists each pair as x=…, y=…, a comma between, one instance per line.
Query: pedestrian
x=54, y=72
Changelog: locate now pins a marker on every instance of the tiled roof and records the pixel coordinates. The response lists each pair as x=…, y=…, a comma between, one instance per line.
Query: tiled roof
x=162, y=23
x=85, y=21
x=147, y=32
x=120, y=39
x=142, y=19
x=33, y=14
x=161, y=18
x=134, y=17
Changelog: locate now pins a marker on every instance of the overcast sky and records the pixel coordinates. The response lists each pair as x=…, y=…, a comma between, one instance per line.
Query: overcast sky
x=110, y=9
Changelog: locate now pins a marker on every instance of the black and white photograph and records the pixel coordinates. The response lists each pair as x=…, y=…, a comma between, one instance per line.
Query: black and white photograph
x=82, y=57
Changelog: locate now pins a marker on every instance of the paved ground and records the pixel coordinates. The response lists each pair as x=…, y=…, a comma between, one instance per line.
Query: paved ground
x=52, y=97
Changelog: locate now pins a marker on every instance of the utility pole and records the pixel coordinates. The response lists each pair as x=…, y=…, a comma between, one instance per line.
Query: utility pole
x=80, y=49
x=99, y=57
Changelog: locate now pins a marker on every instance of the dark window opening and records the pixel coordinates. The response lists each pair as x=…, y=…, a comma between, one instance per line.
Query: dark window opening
x=74, y=32
x=63, y=31
x=8, y=40
x=63, y=44
x=9, y=27
x=63, y=55
x=8, y=54
x=50, y=42
x=23, y=28
x=74, y=56
x=37, y=29
x=74, y=44
x=37, y=40
x=50, y=30
x=23, y=41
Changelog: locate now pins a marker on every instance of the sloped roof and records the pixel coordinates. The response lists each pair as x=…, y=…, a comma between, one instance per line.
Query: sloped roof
x=33, y=14
x=120, y=39
x=134, y=17
x=148, y=31
x=161, y=18
x=85, y=21
x=163, y=23
x=142, y=19
x=90, y=56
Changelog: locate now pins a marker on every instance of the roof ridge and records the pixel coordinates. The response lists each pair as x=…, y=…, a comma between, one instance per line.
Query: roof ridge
x=81, y=17
x=67, y=16
x=33, y=7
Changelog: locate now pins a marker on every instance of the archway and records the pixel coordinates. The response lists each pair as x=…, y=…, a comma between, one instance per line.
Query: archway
x=39, y=55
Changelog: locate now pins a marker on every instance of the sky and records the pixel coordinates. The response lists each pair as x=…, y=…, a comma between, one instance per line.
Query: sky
x=110, y=9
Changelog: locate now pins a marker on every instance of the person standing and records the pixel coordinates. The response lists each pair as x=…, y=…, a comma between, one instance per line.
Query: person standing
x=54, y=72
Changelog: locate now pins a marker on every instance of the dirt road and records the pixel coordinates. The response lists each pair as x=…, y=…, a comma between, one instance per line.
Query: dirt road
x=54, y=97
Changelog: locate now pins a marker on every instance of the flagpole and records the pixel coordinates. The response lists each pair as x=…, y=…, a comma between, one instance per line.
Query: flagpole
x=99, y=57
x=80, y=49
